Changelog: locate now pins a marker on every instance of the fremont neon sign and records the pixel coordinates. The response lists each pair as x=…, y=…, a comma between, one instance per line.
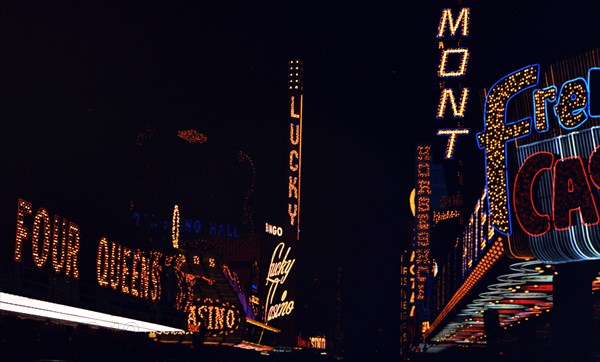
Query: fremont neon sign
x=554, y=191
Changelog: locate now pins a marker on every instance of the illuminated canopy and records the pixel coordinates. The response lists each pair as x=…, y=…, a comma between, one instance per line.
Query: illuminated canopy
x=60, y=312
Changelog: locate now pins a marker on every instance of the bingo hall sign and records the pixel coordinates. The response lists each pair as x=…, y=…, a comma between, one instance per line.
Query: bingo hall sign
x=542, y=160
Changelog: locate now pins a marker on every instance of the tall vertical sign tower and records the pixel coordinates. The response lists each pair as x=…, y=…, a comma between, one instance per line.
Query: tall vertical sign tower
x=283, y=239
x=422, y=242
x=452, y=68
x=295, y=86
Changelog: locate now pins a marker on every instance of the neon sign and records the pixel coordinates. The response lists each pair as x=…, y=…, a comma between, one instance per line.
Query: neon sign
x=423, y=217
x=56, y=241
x=453, y=64
x=132, y=272
x=295, y=146
x=61, y=236
x=279, y=270
x=555, y=188
x=186, y=227
x=273, y=230
x=213, y=317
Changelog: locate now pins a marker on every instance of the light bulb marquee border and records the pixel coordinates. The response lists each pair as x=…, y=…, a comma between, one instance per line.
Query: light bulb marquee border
x=559, y=225
x=456, y=26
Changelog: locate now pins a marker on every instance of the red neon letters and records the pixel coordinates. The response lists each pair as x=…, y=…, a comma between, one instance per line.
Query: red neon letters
x=571, y=192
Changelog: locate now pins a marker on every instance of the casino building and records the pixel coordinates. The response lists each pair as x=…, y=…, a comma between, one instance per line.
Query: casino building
x=522, y=275
x=157, y=271
x=160, y=253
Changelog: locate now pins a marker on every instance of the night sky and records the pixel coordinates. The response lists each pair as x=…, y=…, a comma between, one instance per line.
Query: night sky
x=78, y=80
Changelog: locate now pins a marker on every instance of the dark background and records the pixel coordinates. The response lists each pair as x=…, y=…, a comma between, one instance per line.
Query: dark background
x=80, y=80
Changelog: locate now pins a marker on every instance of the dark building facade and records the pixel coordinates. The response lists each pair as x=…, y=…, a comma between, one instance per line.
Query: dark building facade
x=522, y=277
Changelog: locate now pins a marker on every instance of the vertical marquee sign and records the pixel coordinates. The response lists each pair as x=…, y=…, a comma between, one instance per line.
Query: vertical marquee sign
x=282, y=240
x=423, y=218
x=452, y=67
x=295, y=69
x=407, y=296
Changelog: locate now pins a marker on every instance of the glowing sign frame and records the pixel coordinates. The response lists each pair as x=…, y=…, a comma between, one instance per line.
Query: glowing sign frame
x=573, y=183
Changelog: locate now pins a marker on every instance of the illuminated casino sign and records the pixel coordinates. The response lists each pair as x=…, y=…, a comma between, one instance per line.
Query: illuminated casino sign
x=131, y=272
x=279, y=270
x=55, y=240
x=294, y=146
x=423, y=218
x=452, y=66
x=58, y=258
x=477, y=236
x=213, y=317
x=547, y=200
x=189, y=227
x=273, y=230
x=280, y=280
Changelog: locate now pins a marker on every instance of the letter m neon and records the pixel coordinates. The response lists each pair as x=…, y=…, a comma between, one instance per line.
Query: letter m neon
x=446, y=20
